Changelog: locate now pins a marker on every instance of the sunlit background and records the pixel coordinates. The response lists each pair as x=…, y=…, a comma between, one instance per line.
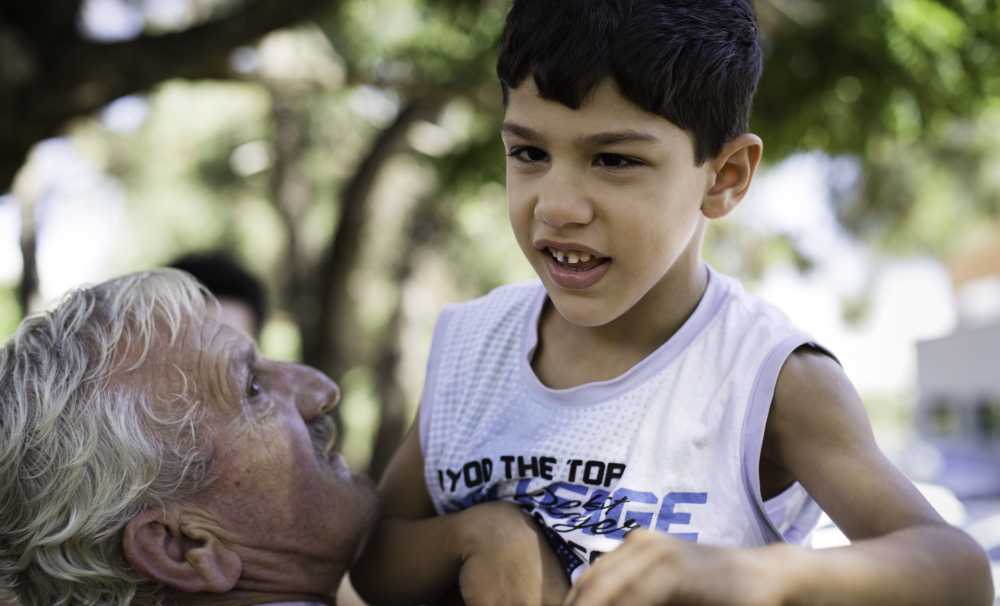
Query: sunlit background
x=350, y=159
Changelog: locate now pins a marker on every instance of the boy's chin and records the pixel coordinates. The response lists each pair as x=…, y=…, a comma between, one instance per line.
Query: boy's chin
x=584, y=312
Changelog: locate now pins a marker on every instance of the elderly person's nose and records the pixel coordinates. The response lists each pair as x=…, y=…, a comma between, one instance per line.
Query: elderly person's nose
x=315, y=393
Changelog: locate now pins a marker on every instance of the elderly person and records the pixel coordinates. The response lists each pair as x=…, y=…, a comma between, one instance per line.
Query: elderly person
x=148, y=455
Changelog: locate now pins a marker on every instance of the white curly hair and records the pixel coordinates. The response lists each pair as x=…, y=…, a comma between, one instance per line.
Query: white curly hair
x=82, y=452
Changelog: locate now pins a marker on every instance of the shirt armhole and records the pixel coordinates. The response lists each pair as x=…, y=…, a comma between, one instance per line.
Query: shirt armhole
x=755, y=422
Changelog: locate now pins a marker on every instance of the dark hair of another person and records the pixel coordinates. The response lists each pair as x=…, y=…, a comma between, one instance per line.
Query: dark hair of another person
x=694, y=62
x=225, y=278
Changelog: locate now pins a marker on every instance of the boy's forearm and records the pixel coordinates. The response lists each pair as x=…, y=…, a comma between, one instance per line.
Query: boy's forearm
x=408, y=561
x=929, y=565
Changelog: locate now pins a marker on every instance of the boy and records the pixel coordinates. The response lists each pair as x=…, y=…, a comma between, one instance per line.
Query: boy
x=636, y=403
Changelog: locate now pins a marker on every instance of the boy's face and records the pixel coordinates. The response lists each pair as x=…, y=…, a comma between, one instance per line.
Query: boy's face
x=604, y=200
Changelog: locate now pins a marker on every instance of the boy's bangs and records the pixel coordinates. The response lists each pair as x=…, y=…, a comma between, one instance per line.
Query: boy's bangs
x=565, y=51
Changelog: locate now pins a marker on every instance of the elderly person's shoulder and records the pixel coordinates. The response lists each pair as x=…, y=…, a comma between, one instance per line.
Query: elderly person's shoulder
x=149, y=455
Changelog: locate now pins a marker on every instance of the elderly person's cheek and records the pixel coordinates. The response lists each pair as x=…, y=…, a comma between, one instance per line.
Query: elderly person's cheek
x=261, y=478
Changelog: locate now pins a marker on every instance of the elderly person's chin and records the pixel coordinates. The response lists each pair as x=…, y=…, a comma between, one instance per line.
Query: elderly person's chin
x=161, y=460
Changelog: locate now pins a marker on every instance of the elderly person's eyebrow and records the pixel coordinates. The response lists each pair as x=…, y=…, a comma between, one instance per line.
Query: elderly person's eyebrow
x=241, y=365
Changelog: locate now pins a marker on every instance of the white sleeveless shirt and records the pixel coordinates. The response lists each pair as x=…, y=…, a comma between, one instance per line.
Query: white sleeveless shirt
x=673, y=444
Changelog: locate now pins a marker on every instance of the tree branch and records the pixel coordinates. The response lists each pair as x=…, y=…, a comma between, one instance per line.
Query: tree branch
x=199, y=52
x=429, y=223
x=80, y=77
x=340, y=256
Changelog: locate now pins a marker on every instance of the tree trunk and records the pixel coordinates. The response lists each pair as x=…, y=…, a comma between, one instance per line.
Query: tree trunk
x=327, y=316
x=428, y=224
x=391, y=397
x=323, y=346
x=28, y=283
x=290, y=192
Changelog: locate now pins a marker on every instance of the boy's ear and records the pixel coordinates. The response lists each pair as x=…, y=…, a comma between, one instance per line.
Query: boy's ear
x=734, y=169
x=180, y=557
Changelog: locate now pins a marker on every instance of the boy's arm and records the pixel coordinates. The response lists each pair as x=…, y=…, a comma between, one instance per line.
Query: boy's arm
x=408, y=556
x=902, y=553
x=493, y=551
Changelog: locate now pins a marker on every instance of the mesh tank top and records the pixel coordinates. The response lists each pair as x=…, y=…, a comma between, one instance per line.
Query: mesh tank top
x=672, y=445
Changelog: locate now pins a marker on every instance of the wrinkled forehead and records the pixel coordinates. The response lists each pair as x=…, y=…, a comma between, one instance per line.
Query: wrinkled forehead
x=203, y=363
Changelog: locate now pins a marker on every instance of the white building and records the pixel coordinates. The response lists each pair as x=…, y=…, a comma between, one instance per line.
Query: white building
x=958, y=406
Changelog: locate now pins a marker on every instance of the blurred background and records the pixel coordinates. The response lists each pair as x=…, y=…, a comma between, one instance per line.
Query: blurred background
x=347, y=153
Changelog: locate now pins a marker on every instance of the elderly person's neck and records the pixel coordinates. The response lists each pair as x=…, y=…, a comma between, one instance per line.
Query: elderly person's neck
x=271, y=577
x=237, y=598
x=202, y=557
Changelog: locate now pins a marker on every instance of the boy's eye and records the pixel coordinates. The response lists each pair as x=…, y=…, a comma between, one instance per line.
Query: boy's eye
x=527, y=154
x=615, y=161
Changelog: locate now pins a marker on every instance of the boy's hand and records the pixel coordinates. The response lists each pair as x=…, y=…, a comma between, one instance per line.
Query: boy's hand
x=651, y=568
x=506, y=560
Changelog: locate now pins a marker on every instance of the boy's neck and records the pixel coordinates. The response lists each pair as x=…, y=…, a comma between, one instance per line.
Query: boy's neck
x=601, y=353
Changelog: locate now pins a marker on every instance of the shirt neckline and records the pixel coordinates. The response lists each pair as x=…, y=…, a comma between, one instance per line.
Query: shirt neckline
x=716, y=293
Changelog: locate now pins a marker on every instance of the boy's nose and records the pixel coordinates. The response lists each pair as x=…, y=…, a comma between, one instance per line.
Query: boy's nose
x=561, y=202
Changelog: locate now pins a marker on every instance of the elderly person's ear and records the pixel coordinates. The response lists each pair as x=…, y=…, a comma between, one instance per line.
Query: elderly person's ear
x=184, y=558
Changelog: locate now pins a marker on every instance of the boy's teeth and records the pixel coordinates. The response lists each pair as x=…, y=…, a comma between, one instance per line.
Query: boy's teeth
x=570, y=257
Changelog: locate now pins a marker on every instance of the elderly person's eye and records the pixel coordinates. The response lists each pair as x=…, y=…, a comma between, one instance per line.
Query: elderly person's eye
x=253, y=387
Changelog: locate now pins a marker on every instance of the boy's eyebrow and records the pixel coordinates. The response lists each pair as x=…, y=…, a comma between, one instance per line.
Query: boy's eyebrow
x=521, y=131
x=621, y=136
x=607, y=138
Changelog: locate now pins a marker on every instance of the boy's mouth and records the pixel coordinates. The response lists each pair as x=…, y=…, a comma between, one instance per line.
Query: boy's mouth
x=576, y=260
x=573, y=266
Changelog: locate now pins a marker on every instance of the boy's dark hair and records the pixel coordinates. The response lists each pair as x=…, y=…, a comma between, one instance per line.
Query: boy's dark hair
x=224, y=277
x=693, y=62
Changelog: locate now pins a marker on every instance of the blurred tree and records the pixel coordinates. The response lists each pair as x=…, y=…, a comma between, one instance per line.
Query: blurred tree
x=909, y=87
x=287, y=170
x=906, y=70
x=839, y=75
x=442, y=57
x=51, y=71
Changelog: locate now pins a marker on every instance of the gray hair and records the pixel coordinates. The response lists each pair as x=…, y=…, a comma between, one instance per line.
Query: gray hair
x=81, y=451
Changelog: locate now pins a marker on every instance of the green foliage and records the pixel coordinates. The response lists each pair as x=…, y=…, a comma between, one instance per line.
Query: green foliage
x=910, y=88
x=859, y=70
x=418, y=45
x=476, y=161
x=932, y=195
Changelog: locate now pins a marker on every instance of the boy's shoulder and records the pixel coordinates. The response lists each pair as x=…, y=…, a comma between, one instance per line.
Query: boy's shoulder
x=506, y=309
x=518, y=294
x=488, y=330
x=750, y=317
x=741, y=301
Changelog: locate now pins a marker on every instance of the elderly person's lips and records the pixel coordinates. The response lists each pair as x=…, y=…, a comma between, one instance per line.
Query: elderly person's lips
x=323, y=432
x=339, y=466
